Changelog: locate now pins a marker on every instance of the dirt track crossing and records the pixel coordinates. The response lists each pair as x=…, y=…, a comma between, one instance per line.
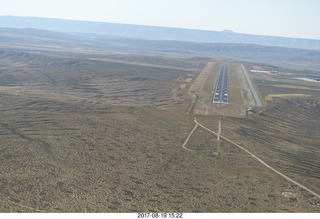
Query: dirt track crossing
x=248, y=152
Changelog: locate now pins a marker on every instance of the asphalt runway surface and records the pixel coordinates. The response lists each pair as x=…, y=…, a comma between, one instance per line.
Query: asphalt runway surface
x=221, y=91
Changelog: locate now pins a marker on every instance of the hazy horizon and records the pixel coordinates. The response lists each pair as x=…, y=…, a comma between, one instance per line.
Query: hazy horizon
x=286, y=18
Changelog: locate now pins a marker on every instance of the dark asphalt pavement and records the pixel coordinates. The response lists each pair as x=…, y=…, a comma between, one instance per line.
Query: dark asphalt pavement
x=221, y=90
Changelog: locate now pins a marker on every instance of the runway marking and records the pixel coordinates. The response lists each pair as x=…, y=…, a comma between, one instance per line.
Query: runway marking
x=221, y=86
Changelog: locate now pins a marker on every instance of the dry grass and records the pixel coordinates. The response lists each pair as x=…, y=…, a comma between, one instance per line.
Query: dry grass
x=270, y=96
x=81, y=135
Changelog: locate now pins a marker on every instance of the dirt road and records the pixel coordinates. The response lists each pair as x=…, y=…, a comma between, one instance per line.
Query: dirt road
x=252, y=155
x=253, y=90
x=189, y=136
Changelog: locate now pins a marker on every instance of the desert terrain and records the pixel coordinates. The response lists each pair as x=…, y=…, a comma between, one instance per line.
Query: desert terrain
x=86, y=129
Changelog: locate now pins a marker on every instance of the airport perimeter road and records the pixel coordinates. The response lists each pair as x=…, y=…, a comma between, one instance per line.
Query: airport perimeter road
x=255, y=95
x=221, y=90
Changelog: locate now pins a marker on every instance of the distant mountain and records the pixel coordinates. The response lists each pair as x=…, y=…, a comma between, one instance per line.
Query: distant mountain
x=154, y=33
x=35, y=40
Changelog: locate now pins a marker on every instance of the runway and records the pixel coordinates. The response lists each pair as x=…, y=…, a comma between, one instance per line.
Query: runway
x=221, y=94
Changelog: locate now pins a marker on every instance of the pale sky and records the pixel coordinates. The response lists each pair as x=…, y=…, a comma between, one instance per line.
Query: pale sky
x=290, y=18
